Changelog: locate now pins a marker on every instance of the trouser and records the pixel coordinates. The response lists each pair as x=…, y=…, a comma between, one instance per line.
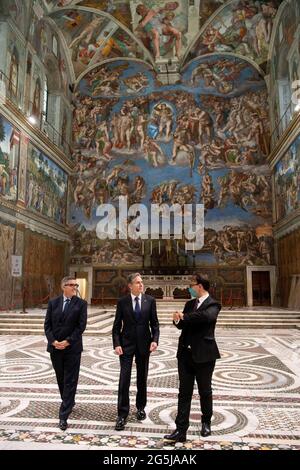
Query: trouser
x=188, y=370
x=66, y=368
x=142, y=364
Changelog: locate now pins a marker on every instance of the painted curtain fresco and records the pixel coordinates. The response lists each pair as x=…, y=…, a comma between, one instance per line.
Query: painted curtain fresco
x=7, y=234
x=202, y=140
x=42, y=271
x=9, y=158
x=287, y=182
x=46, y=186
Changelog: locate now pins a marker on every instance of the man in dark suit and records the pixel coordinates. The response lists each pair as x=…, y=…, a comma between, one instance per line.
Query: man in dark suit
x=65, y=322
x=135, y=333
x=196, y=355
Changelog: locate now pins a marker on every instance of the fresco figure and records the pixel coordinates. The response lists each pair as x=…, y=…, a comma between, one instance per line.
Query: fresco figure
x=155, y=23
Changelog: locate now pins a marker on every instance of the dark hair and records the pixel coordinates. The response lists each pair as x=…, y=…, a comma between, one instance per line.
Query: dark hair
x=132, y=277
x=202, y=279
x=66, y=279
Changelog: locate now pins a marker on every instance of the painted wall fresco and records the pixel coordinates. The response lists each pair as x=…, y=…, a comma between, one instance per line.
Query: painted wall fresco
x=18, y=11
x=167, y=30
x=285, y=67
x=15, y=68
x=287, y=182
x=7, y=234
x=202, y=140
x=46, y=186
x=93, y=38
x=243, y=27
x=9, y=159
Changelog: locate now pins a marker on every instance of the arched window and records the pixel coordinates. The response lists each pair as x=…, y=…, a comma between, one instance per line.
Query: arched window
x=14, y=72
x=45, y=99
x=36, y=104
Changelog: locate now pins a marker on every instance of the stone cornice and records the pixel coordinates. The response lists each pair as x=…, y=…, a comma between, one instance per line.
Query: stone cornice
x=38, y=223
x=287, y=225
x=285, y=140
x=38, y=138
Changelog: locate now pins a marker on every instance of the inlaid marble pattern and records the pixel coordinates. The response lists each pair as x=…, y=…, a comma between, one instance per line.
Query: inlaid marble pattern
x=256, y=395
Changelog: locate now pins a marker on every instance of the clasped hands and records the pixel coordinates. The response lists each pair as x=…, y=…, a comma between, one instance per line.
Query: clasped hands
x=61, y=344
x=177, y=316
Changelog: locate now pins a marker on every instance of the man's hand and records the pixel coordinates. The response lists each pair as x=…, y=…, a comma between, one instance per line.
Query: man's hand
x=177, y=316
x=61, y=344
x=153, y=347
x=119, y=350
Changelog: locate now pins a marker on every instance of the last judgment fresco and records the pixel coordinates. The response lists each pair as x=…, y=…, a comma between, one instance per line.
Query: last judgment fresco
x=202, y=140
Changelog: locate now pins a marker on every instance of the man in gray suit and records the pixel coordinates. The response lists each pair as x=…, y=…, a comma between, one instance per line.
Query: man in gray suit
x=65, y=323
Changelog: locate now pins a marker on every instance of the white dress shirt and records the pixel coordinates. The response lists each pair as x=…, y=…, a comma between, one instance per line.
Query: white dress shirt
x=201, y=299
x=199, y=302
x=66, y=303
x=133, y=297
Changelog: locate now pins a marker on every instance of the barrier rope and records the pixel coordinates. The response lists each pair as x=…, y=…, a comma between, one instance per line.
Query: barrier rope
x=21, y=300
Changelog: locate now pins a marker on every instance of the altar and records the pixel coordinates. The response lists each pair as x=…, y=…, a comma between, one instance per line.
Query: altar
x=169, y=287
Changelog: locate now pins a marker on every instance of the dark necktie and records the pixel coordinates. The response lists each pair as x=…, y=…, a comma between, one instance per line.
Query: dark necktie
x=66, y=305
x=137, y=310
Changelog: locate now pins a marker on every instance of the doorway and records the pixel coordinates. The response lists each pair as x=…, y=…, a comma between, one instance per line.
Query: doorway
x=82, y=279
x=261, y=288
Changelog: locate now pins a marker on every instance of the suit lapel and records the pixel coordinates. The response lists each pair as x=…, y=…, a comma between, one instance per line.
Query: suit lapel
x=60, y=304
x=130, y=307
x=144, y=304
x=204, y=304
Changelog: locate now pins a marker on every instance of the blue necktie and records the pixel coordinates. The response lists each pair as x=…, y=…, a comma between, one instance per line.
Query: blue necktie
x=66, y=305
x=137, y=310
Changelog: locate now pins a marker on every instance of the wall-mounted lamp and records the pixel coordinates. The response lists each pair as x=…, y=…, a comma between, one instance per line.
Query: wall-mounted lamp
x=32, y=120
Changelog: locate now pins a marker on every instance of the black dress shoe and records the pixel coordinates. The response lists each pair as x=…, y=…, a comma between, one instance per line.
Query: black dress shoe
x=176, y=436
x=205, y=430
x=62, y=424
x=120, y=424
x=141, y=415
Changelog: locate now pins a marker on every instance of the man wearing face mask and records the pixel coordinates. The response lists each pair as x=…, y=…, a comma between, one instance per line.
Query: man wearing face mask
x=196, y=355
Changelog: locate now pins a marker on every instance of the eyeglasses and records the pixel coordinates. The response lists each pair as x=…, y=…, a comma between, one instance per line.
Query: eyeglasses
x=71, y=285
x=191, y=285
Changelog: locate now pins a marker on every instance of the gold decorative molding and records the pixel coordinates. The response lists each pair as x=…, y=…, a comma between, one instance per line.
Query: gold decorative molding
x=287, y=225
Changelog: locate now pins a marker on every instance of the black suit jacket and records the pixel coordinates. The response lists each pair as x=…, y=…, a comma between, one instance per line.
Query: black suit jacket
x=69, y=325
x=131, y=334
x=199, y=327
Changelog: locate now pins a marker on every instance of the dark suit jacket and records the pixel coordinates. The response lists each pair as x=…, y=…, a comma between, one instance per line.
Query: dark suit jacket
x=131, y=334
x=70, y=325
x=199, y=326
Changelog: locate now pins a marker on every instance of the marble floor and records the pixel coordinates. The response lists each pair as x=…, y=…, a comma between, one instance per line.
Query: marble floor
x=256, y=395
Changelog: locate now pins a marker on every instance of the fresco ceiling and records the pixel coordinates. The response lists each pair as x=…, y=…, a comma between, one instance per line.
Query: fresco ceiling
x=171, y=106
x=162, y=32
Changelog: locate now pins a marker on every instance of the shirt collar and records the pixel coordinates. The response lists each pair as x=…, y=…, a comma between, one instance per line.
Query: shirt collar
x=66, y=298
x=202, y=298
x=133, y=297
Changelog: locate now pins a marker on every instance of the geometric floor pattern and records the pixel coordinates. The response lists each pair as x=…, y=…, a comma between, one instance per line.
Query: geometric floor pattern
x=256, y=395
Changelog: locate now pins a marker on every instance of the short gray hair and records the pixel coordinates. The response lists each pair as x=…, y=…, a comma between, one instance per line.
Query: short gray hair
x=132, y=277
x=66, y=279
